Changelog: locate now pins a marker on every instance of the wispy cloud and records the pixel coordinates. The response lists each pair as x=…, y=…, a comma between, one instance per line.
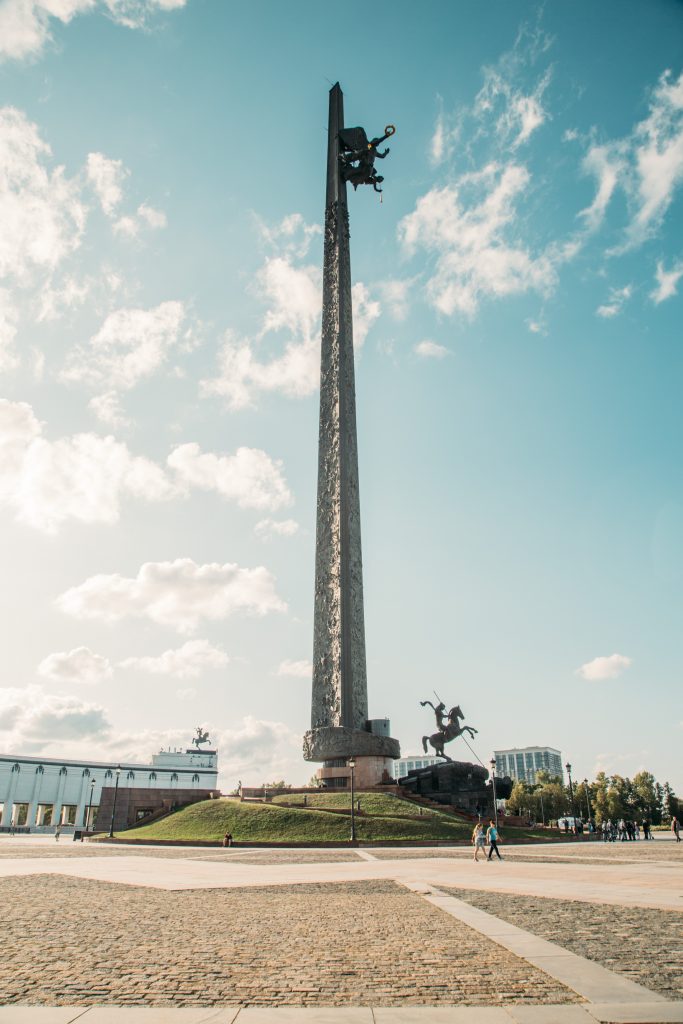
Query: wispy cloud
x=80, y=665
x=468, y=226
x=667, y=282
x=615, y=302
x=604, y=667
x=299, y=669
x=186, y=662
x=179, y=594
x=26, y=25
x=430, y=350
x=647, y=164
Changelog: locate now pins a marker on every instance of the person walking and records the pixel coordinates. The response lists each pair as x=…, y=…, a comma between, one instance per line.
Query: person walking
x=676, y=829
x=492, y=837
x=58, y=832
x=479, y=840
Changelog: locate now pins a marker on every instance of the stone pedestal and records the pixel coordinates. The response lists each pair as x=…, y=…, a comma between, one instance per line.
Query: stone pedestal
x=369, y=771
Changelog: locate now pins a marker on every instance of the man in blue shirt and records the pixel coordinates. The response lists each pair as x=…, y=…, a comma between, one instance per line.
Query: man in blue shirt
x=492, y=838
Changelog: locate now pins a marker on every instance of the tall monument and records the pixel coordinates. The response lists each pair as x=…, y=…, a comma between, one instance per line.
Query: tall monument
x=340, y=728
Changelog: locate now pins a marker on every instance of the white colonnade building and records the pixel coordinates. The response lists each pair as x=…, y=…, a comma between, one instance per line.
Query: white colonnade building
x=41, y=793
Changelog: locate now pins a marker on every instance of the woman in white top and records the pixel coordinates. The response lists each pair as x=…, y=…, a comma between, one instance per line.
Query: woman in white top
x=479, y=840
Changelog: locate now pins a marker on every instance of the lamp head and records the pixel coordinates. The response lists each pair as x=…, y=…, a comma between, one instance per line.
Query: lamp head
x=351, y=762
x=568, y=767
x=118, y=771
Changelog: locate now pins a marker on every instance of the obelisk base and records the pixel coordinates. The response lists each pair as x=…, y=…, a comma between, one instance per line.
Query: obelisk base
x=367, y=772
x=331, y=743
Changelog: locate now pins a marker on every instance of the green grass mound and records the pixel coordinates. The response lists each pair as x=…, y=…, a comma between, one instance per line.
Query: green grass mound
x=373, y=804
x=269, y=823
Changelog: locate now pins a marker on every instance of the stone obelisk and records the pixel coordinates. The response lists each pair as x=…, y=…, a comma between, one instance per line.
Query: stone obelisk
x=339, y=715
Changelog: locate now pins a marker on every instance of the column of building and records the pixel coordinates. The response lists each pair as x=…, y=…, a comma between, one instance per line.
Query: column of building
x=8, y=808
x=32, y=814
x=57, y=809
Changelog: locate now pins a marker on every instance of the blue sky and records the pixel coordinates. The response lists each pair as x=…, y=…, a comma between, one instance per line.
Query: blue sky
x=517, y=306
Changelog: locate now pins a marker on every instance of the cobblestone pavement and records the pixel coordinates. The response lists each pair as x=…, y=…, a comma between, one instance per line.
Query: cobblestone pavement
x=589, y=852
x=76, y=942
x=289, y=857
x=245, y=856
x=645, y=946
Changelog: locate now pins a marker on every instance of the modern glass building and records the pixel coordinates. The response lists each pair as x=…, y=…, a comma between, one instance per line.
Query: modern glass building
x=404, y=765
x=523, y=762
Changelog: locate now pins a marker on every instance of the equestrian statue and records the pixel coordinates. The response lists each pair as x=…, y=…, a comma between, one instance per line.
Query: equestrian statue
x=201, y=737
x=448, y=725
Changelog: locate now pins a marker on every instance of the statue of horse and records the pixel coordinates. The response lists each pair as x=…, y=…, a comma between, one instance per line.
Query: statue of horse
x=449, y=730
x=201, y=737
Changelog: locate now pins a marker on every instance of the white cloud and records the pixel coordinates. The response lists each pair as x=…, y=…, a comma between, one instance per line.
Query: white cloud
x=293, y=299
x=365, y=312
x=267, y=528
x=180, y=594
x=241, y=374
x=437, y=148
x=614, y=305
x=300, y=669
x=68, y=294
x=107, y=408
x=606, y=164
x=517, y=114
x=153, y=218
x=41, y=210
x=80, y=665
x=130, y=345
x=430, y=350
x=146, y=216
x=25, y=25
x=249, y=477
x=292, y=236
x=667, y=282
x=605, y=667
x=83, y=477
x=537, y=326
x=30, y=717
x=647, y=164
x=8, y=330
x=395, y=296
x=186, y=662
x=475, y=258
x=106, y=177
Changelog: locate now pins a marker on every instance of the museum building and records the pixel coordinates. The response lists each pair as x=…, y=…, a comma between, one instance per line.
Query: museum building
x=38, y=794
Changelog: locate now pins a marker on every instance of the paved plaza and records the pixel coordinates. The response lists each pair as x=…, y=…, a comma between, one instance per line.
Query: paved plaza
x=561, y=935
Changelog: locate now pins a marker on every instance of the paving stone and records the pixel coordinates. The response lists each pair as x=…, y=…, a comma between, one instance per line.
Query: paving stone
x=318, y=1015
x=625, y=1013
x=443, y=1015
x=549, y=1015
x=39, y=1014
x=643, y=945
x=124, y=945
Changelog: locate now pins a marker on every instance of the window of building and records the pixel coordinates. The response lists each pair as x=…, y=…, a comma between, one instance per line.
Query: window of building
x=44, y=814
x=19, y=814
x=143, y=812
x=68, y=814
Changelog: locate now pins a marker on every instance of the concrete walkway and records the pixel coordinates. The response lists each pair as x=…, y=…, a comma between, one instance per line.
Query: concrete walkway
x=655, y=885
x=609, y=998
x=605, y=1013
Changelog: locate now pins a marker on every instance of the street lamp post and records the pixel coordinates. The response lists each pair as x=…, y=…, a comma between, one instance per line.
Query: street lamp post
x=493, y=784
x=588, y=806
x=571, y=790
x=352, y=764
x=113, y=809
x=87, y=813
